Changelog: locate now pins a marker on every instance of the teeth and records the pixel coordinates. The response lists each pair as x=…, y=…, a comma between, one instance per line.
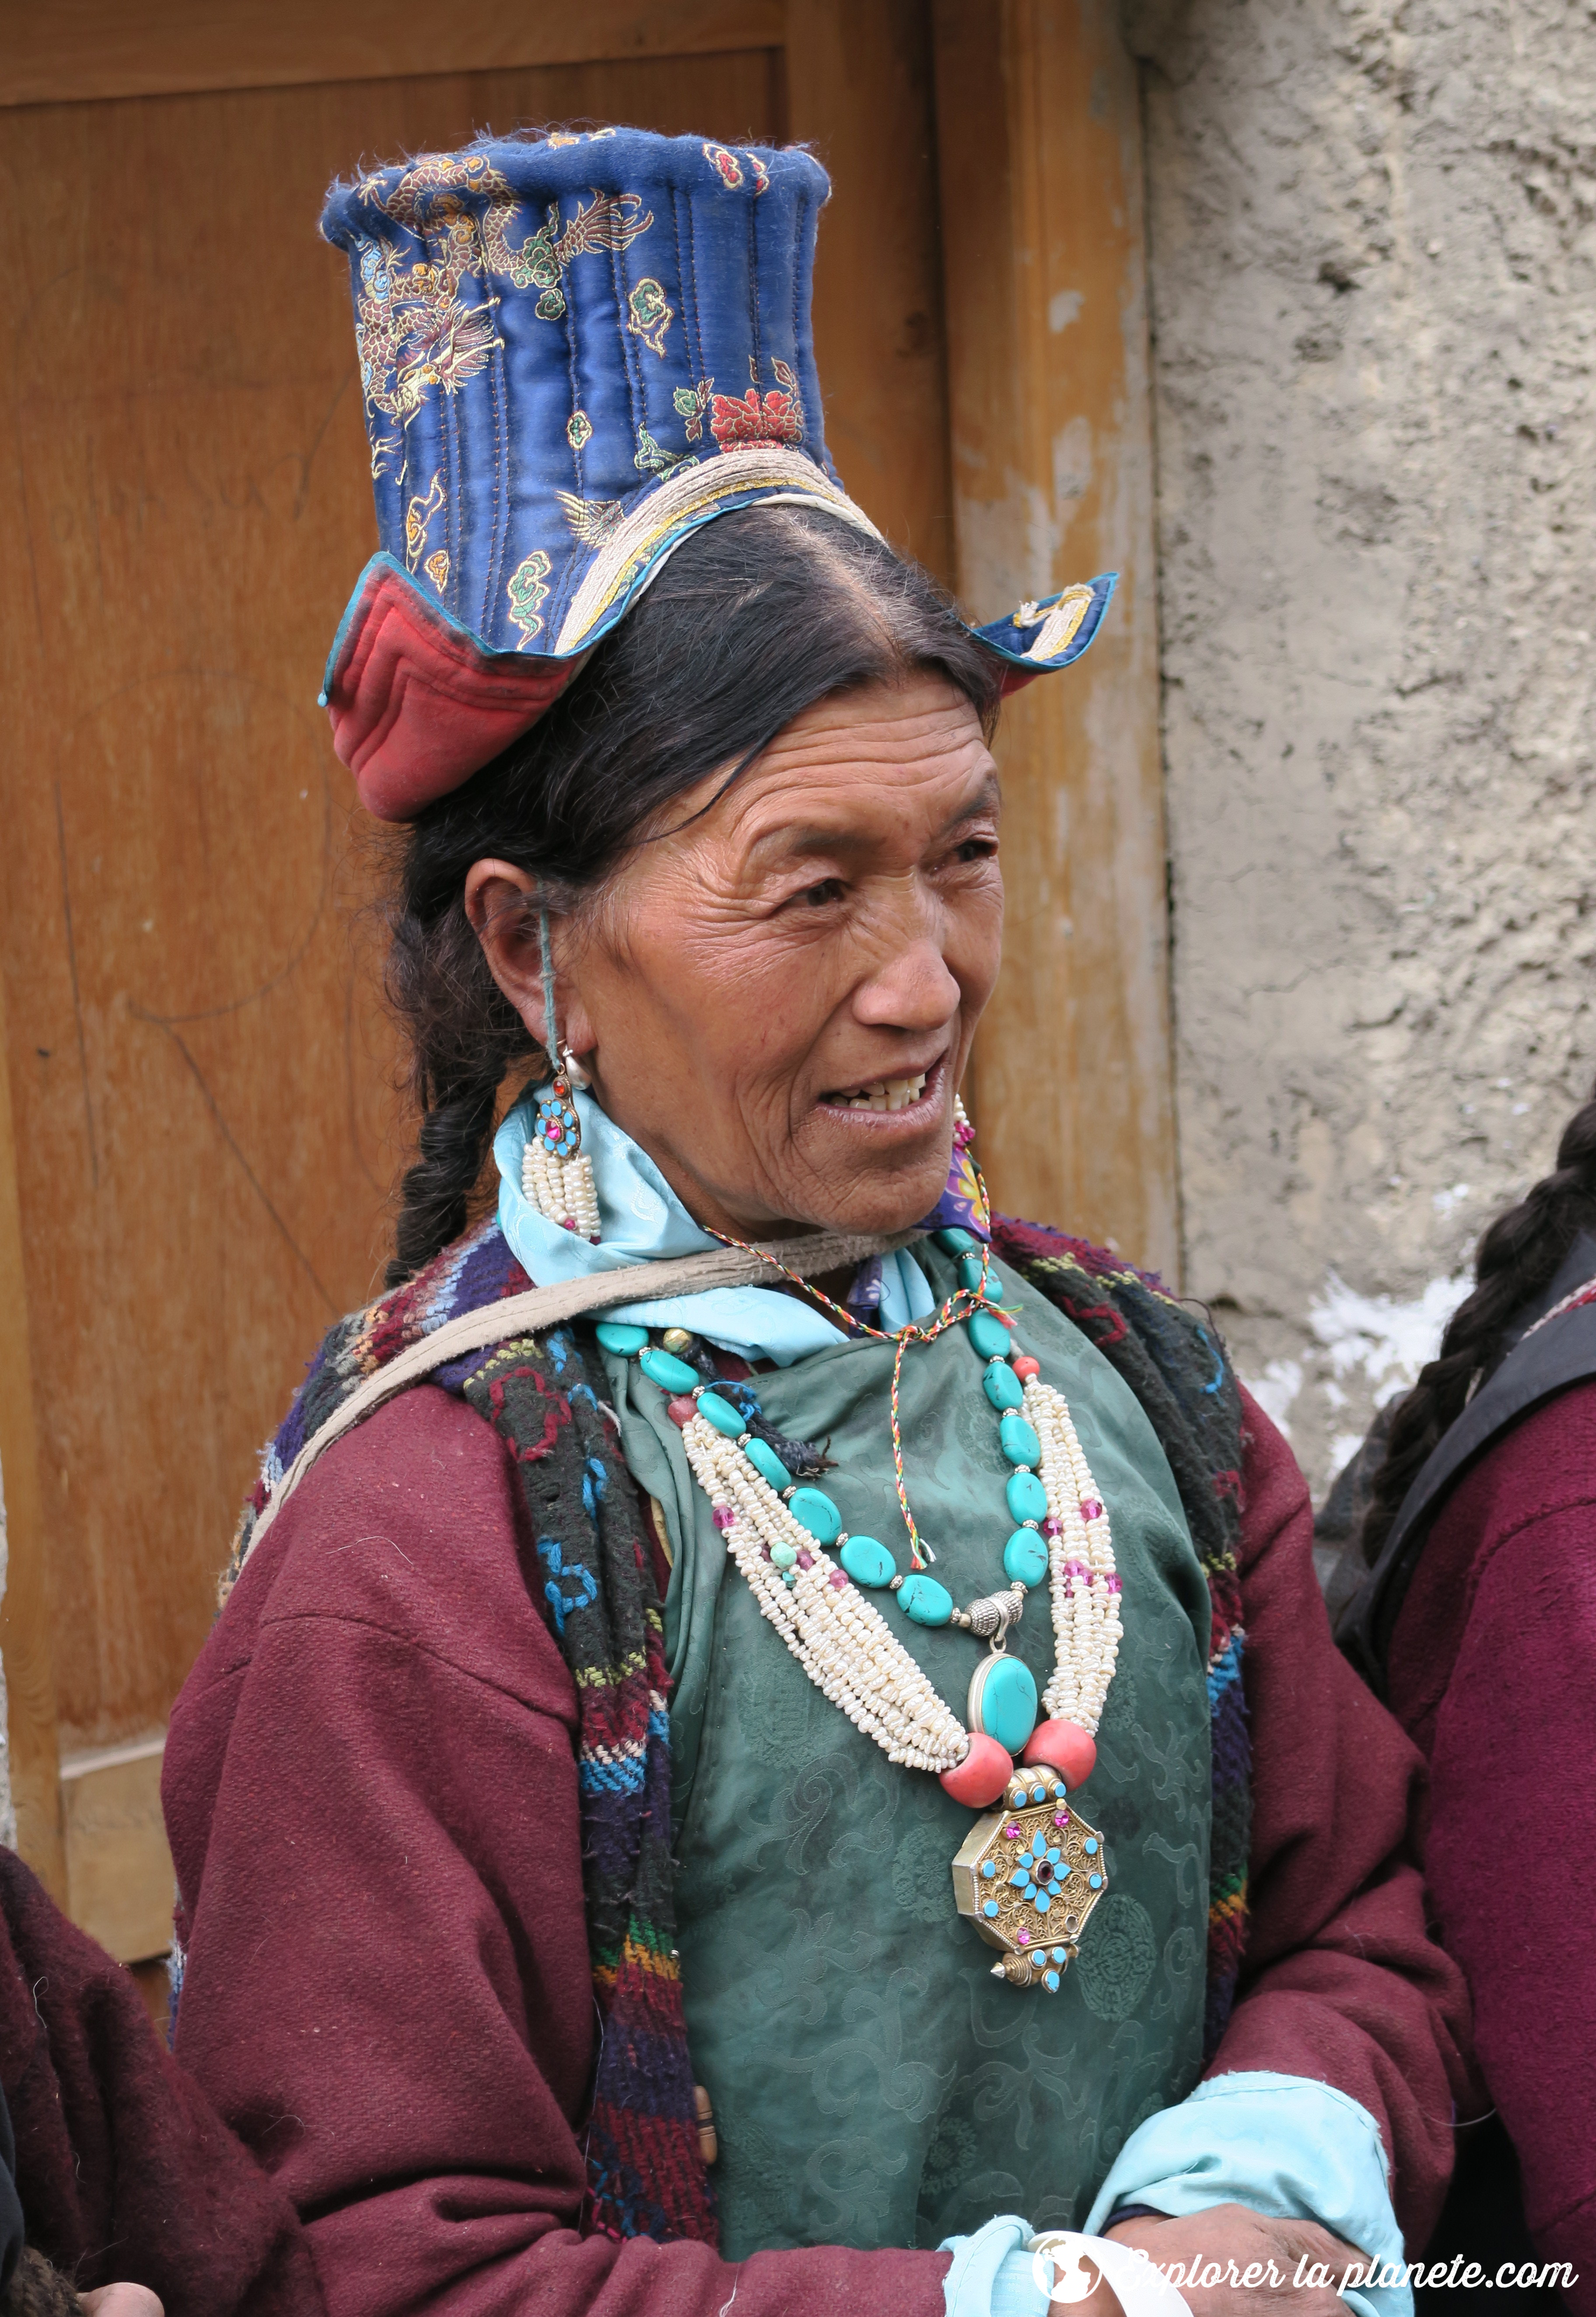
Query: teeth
x=886, y=1094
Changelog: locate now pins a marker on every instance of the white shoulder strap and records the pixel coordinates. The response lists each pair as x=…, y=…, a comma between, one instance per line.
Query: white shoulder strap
x=540, y=1308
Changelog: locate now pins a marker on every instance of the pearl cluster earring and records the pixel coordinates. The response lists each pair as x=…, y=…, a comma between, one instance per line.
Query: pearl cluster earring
x=556, y=1173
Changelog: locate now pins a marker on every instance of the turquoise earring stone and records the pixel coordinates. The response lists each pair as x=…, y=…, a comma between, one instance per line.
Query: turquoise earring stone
x=617, y=1337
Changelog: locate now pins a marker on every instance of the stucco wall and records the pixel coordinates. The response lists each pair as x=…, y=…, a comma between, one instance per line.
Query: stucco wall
x=1374, y=302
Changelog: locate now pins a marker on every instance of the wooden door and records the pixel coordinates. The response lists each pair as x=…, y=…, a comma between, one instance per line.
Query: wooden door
x=198, y=1120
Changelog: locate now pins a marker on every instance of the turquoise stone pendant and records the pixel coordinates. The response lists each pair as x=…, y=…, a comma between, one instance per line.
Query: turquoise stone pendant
x=1003, y=1701
x=1028, y=1877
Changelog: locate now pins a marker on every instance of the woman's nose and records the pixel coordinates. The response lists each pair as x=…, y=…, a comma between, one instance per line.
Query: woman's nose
x=911, y=991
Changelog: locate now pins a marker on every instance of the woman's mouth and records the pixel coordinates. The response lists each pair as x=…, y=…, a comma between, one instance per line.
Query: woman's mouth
x=883, y=1095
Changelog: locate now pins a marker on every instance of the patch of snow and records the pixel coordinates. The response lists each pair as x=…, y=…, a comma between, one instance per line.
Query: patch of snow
x=1275, y=1391
x=1342, y=1449
x=1445, y=1202
x=1384, y=1341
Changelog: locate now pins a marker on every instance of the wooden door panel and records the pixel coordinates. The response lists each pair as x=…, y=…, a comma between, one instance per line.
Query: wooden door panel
x=1040, y=139
x=204, y=1126
x=80, y=48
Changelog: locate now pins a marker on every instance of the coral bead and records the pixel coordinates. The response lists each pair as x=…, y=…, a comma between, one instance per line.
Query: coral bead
x=981, y=1777
x=1066, y=1746
x=1026, y=1367
x=682, y=1410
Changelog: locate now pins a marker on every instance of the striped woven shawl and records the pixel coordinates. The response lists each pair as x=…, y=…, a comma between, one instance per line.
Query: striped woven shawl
x=645, y=2174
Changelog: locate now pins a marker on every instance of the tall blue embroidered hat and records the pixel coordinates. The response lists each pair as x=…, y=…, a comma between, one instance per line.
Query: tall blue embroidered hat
x=574, y=351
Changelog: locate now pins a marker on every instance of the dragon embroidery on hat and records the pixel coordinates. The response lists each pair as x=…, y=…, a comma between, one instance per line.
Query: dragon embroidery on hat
x=408, y=337
x=609, y=221
x=413, y=328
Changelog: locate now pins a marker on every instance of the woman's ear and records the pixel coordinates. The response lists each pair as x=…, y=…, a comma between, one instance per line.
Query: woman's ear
x=501, y=903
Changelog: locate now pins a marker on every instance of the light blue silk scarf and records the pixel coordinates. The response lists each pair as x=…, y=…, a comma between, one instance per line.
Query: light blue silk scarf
x=640, y=1218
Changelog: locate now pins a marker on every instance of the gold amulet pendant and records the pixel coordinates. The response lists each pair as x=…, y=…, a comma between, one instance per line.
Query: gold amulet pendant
x=1027, y=1875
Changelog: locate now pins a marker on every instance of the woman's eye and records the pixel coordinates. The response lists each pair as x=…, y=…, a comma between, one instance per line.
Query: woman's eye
x=821, y=895
x=976, y=848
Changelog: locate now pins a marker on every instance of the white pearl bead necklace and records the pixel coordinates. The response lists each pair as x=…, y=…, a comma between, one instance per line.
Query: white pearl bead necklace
x=847, y=1648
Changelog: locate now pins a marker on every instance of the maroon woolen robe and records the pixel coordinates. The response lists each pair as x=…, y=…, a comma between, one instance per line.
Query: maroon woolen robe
x=371, y=1792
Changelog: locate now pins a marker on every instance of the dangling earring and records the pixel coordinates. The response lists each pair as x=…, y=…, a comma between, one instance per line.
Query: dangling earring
x=963, y=1204
x=556, y=1174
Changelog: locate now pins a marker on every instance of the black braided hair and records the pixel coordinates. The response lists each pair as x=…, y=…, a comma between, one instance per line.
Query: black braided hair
x=1518, y=1257
x=755, y=617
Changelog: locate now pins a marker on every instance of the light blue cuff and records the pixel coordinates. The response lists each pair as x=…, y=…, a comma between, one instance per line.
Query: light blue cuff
x=1285, y=2146
x=992, y=2275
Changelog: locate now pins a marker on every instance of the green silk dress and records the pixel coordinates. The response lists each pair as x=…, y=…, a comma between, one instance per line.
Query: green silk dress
x=874, y=2085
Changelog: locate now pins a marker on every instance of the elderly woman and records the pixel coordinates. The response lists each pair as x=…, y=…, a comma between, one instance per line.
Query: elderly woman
x=736, y=1624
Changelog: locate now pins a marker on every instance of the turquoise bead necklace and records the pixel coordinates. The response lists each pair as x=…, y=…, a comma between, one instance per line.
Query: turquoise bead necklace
x=1004, y=1701
x=1030, y=1872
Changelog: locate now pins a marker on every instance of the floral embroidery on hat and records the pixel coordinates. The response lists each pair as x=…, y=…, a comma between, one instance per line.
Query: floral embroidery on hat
x=525, y=591
x=761, y=173
x=436, y=567
x=726, y=165
x=777, y=418
x=649, y=315
x=691, y=402
x=578, y=430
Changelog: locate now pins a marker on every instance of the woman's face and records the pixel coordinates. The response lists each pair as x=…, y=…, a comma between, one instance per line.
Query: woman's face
x=777, y=999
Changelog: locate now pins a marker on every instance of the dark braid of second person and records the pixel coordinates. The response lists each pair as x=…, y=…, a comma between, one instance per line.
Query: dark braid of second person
x=1518, y=1257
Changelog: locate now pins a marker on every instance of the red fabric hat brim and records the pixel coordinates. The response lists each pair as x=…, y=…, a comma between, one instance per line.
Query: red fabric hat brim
x=416, y=705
